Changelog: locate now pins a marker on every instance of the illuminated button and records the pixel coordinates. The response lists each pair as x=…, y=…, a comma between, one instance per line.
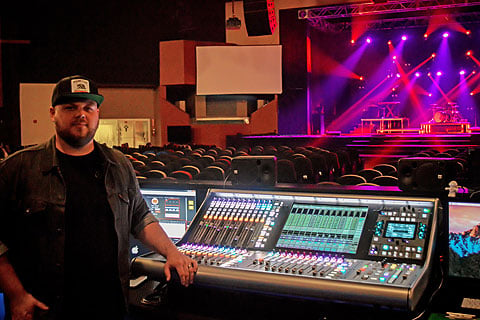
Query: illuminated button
x=382, y=279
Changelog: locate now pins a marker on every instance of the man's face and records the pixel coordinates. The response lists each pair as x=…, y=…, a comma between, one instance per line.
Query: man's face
x=76, y=122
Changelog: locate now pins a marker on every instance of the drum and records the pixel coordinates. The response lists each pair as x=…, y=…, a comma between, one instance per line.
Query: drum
x=441, y=116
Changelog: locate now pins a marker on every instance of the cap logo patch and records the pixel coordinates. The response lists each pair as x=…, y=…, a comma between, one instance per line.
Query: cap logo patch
x=80, y=85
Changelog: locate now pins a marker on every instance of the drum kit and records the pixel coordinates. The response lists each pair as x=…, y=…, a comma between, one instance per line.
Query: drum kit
x=446, y=113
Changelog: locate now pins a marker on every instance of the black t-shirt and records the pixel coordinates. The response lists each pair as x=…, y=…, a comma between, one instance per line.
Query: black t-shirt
x=92, y=283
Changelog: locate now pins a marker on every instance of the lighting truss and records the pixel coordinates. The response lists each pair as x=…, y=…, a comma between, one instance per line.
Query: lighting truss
x=339, y=17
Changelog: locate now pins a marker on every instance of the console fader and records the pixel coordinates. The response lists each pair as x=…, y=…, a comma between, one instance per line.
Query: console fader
x=357, y=248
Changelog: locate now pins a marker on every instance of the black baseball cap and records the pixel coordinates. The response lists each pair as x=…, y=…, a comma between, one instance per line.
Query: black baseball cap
x=75, y=88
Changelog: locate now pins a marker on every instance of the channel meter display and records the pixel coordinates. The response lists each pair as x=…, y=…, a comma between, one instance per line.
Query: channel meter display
x=323, y=228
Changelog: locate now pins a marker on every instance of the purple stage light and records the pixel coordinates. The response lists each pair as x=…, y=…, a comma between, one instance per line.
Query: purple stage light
x=417, y=74
x=445, y=34
x=394, y=57
x=462, y=72
x=429, y=94
x=398, y=75
x=369, y=40
x=404, y=38
x=439, y=73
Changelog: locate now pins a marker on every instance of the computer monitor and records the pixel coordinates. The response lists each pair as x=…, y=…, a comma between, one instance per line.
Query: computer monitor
x=174, y=208
x=463, y=258
x=464, y=240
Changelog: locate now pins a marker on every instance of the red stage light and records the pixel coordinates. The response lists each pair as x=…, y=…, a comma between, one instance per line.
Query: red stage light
x=468, y=32
x=469, y=53
x=434, y=55
x=389, y=42
x=425, y=35
x=352, y=41
x=361, y=78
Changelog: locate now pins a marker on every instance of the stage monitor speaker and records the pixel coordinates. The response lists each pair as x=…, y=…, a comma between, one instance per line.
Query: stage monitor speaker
x=427, y=175
x=257, y=18
x=254, y=170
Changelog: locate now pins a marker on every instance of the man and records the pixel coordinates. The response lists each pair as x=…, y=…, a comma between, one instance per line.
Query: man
x=67, y=207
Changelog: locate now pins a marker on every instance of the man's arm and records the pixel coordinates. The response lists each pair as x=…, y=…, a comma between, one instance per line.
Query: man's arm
x=22, y=303
x=154, y=236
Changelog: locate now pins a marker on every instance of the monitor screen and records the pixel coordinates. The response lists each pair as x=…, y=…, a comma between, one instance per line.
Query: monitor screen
x=464, y=239
x=174, y=209
x=321, y=227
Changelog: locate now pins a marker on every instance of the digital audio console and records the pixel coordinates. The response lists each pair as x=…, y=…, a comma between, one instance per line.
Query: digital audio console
x=355, y=248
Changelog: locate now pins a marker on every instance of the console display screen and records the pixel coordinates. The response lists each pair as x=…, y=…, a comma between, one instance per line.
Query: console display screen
x=400, y=230
x=329, y=228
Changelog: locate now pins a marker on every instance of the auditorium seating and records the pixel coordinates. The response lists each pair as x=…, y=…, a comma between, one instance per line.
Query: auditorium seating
x=295, y=164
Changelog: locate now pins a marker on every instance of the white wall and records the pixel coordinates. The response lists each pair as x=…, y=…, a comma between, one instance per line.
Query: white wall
x=35, y=101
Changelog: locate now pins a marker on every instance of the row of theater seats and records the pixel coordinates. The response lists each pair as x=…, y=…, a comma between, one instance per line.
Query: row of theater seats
x=294, y=165
x=386, y=174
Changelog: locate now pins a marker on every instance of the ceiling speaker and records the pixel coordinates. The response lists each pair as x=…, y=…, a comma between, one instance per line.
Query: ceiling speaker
x=254, y=170
x=426, y=174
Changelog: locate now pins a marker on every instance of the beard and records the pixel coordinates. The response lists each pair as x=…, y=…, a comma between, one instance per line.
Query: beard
x=74, y=137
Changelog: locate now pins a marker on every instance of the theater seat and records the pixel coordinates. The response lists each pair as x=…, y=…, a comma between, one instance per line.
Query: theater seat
x=211, y=173
x=386, y=181
x=385, y=168
x=286, y=171
x=351, y=179
x=181, y=175
x=157, y=174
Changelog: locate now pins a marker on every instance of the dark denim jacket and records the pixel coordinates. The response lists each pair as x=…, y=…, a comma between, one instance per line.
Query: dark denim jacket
x=32, y=224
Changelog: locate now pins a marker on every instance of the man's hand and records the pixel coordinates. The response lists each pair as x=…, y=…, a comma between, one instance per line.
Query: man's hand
x=23, y=307
x=186, y=267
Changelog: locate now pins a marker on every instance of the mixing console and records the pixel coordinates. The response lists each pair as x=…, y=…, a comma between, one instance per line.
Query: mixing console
x=366, y=249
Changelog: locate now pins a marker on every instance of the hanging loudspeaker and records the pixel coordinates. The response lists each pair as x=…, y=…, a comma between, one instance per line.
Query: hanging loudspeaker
x=260, y=19
x=427, y=174
x=254, y=170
